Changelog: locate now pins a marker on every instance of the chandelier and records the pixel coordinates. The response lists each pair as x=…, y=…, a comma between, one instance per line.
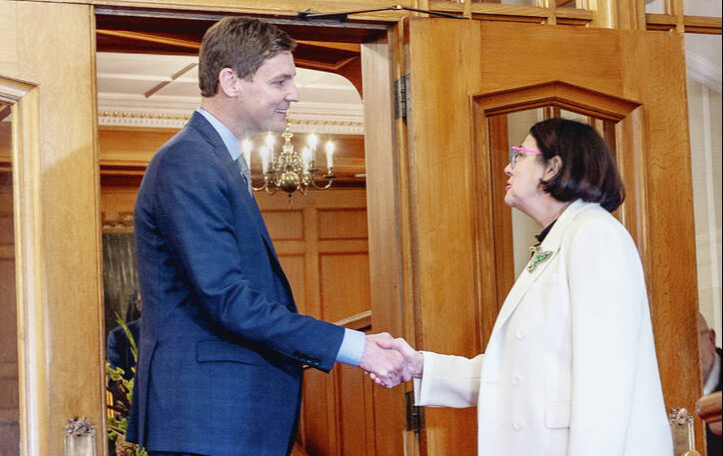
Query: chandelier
x=289, y=170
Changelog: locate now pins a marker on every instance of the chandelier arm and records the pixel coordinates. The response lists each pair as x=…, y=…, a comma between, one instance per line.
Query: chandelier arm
x=323, y=187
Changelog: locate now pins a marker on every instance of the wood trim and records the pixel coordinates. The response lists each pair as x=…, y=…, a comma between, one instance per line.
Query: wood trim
x=359, y=322
x=515, y=13
x=701, y=24
x=29, y=260
x=556, y=93
x=660, y=22
x=629, y=134
x=385, y=237
x=493, y=253
x=691, y=24
x=146, y=37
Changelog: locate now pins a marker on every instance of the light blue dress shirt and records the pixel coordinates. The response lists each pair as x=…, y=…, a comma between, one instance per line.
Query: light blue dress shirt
x=352, y=346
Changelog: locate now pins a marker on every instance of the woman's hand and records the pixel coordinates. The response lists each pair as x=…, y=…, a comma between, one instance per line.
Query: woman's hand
x=413, y=359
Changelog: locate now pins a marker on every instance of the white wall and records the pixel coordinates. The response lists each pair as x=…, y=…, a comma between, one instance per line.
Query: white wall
x=704, y=109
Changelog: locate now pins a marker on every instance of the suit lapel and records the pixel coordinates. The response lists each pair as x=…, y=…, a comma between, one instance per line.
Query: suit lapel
x=207, y=131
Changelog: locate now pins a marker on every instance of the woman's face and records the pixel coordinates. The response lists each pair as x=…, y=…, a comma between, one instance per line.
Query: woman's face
x=524, y=187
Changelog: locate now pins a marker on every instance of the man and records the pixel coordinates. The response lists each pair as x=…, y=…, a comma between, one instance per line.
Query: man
x=710, y=372
x=118, y=351
x=222, y=345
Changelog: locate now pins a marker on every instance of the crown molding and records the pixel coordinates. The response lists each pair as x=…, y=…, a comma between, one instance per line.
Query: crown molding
x=320, y=118
x=703, y=71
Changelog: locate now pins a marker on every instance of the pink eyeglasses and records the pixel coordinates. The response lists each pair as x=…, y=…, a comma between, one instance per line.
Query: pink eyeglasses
x=517, y=152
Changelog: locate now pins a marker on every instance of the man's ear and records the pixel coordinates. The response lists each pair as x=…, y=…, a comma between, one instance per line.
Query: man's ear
x=227, y=82
x=552, y=168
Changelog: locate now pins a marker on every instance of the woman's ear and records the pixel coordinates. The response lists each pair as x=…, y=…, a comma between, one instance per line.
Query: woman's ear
x=552, y=168
x=227, y=82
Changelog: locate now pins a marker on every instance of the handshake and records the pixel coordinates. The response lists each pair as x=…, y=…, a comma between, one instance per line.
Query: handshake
x=390, y=361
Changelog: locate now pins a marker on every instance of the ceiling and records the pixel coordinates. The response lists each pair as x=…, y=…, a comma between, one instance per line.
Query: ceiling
x=162, y=90
x=148, y=75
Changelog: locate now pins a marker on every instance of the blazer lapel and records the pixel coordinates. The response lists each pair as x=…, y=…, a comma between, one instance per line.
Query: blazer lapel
x=551, y=244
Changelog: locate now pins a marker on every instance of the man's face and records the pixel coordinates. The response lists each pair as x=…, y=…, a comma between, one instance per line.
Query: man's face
x=706, y=347
x=265, y=97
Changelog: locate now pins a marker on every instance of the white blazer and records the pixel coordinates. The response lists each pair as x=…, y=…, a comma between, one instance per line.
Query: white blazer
x=570, y=367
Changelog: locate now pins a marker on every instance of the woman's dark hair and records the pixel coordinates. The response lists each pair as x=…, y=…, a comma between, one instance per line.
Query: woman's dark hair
x=239, y=43
x=588, y=170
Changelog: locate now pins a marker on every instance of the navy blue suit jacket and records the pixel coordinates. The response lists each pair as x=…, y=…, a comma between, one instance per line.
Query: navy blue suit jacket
x=118, y=347
x=222, y=345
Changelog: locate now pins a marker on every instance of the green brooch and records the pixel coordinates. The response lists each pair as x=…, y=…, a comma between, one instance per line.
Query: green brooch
x=538, y=256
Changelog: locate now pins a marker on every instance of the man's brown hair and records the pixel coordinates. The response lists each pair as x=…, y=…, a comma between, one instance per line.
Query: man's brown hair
x=239, y=43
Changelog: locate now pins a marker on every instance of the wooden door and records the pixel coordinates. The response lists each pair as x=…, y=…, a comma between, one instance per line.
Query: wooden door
x=47, y=75
x=463, y=77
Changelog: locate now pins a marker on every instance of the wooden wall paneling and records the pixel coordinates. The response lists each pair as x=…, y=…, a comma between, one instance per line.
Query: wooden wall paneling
x=344, y=284
x=317, y=429
x=389, y=303
x=354, y=429
x=60, y=290
x=343, y=224
x=344, y=291
x=322, y=245
x=312, y=279
x=595, y=65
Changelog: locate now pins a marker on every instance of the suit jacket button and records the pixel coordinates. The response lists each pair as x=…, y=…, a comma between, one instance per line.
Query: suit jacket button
x=519, y=425
x=520, y=333
x=516, y=379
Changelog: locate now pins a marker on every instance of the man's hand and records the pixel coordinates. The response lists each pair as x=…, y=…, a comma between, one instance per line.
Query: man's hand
x=413, y=359
x=385, y=367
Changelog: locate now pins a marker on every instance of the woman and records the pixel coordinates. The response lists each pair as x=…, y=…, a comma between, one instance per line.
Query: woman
x=570, y=368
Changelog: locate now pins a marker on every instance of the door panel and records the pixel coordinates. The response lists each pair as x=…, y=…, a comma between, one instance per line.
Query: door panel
x=57, y=232
x=460, y=224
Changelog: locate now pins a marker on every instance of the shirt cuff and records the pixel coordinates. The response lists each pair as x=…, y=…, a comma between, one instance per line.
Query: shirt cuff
x=352, y=347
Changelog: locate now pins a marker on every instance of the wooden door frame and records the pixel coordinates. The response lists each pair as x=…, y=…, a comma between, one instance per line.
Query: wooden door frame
x=382, y=217
x=23, y=97
x=390, y=309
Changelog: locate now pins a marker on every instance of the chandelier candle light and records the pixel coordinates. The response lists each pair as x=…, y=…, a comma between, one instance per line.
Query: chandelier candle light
x=291, y=171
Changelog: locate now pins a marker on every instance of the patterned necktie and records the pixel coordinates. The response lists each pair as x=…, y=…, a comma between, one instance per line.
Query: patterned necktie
x=245, y=173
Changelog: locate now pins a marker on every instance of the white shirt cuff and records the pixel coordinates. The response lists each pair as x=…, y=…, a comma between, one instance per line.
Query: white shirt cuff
x=352, y=347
